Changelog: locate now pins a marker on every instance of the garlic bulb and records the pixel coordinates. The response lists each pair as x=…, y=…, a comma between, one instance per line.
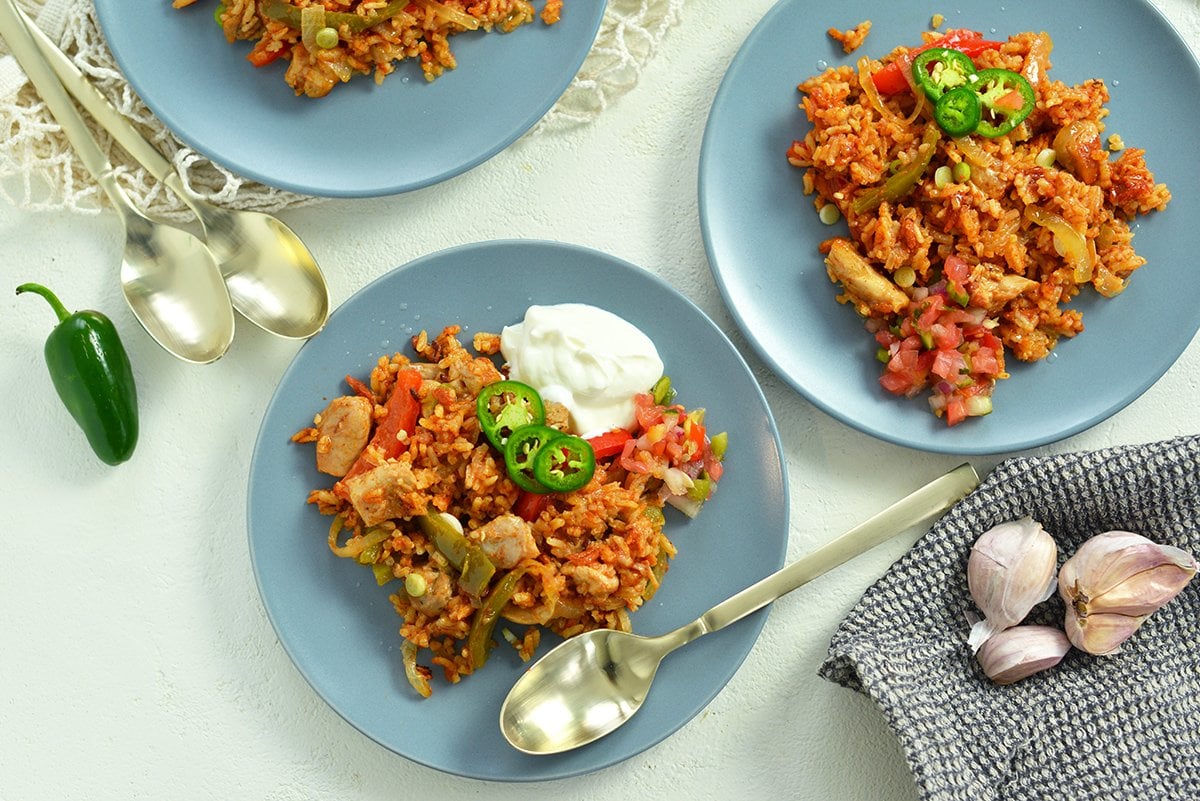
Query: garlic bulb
x=1114, y=582
x=1021, y=651
x=1010, y=571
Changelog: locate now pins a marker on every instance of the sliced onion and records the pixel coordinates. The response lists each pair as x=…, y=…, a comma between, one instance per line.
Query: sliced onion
x=1070, y=243
x=872, y=93
x=677, y=481
x=312, y=19
x=687, y=505
x=985, y=170
x=452, y=15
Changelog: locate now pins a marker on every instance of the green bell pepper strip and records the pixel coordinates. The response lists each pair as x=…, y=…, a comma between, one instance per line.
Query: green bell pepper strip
x=93, y=377
x=1006, y=97
x=564, y=464
x=940, y=69
x=520, y=454
x=289, y=15
x=474, y=566
x=505, y=406
x=958, y=111
x=662, y=391
x=903, y=182
x=479, y=638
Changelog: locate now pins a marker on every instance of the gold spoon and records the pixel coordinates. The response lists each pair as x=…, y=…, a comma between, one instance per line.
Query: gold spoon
x=272, y=278
x=169, y=277
x=594, y=682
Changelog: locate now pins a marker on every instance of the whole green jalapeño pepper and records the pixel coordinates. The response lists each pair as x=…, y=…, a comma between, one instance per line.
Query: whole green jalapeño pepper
x=92, y=375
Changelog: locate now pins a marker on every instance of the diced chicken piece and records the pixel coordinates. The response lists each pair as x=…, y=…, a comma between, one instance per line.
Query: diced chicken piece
x=1078, y=148
x=557, y=415
x=342, y=433
x=597, y=581
x=438, y=590
x=992, y=288
x=872, y=293
x=388, y=491
x=506, y=540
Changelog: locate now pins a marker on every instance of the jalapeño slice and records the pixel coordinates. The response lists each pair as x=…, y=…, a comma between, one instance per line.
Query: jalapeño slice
x=958, y=111
x=522, y=448
x=939, y=70
x=1006, y=98
x=504, y=407
x=564, y=464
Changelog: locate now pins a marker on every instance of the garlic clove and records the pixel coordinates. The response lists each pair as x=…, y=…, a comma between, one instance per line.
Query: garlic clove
x=1019, y=652
x=1113, y=582
x=1110, y=558
x=1099, y=634
x=1010, y=570
x=1151, y=590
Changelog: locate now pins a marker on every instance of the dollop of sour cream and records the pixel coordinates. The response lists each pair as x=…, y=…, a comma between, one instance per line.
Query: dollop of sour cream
x=588, y=359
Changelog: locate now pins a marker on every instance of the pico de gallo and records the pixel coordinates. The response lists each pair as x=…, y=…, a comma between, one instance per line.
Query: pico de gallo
x=942, y=343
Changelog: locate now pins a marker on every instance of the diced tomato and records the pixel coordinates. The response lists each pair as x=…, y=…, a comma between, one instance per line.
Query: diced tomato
x=956, y=268
x=984, y=362
x=647, y=412
x=896, y=383
x=946, y=336
x=956, y=411
x=948, y=364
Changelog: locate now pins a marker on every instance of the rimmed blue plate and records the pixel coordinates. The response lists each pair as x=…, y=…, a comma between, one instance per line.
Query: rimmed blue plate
x=761, y=232
x=361, y=139
x=340, y=629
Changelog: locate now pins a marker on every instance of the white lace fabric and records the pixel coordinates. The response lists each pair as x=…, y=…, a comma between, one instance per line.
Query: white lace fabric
x=39, y=170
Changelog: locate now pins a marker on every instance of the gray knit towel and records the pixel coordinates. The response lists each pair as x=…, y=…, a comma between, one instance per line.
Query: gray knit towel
x=1125, y=726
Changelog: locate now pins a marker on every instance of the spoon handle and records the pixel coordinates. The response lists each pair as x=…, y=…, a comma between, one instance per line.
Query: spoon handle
x=25, y=50
x=96, y=104
x=931, y=499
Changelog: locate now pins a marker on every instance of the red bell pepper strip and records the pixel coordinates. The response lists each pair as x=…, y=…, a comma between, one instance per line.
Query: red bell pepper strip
x=894, y=78
x=260, y=56
x=529, y=505
x=403, y=409
x=609, y=443
x=360, y=388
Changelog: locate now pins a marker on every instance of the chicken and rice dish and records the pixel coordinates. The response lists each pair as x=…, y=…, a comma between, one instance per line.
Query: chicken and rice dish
x=439, y=493
x=981, y=197
x=327, y=42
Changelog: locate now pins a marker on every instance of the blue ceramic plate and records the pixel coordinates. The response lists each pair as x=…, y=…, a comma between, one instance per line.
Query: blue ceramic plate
x=338, y=626
x=361, y=139
x=761, y=231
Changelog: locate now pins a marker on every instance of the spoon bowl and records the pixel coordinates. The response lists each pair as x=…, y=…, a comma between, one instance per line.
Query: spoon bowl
x=174, y=288
x=594, y=682
x=272, y=278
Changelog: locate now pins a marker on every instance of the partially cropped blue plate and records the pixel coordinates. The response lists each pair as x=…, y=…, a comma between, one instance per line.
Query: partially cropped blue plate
x=761, y=231
x=361, y=139
x=339, y=627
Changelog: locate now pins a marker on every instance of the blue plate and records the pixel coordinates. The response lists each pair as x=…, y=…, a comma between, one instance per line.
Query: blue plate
x=361, y=139
x=338, y=626
x=761, y=231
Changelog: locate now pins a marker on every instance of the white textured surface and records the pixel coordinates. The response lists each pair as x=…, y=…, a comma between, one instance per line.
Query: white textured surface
x=135, y=658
